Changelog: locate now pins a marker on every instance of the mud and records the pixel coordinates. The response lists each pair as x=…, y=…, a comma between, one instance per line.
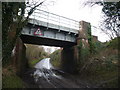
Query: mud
x=52, y=79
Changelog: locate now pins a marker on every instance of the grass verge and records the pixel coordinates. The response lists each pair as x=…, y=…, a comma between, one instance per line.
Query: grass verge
x=10, y=79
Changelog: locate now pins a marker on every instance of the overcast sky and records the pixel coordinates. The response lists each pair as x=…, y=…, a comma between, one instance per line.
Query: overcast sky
x=75, y=10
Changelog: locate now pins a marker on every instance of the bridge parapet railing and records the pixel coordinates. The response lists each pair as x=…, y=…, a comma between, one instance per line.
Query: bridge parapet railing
x=55, y=19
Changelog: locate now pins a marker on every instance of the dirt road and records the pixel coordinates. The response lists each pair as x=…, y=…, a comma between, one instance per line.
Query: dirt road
x=51, y=79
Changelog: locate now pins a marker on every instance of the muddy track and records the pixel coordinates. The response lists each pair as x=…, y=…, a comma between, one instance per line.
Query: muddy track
x=51, y=79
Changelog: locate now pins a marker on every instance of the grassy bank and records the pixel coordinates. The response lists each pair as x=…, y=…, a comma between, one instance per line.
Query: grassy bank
x=34, y=54
x=101, y=69
x=10, y=79
x=55, y=58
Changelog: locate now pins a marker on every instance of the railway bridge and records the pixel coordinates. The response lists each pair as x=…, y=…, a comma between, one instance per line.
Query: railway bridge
x=45, y=28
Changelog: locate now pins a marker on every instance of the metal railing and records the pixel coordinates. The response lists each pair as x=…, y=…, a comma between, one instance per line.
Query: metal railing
x=55, y=19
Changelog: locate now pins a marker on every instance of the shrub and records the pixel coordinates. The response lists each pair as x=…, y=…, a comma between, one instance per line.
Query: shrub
x=34, y=54
x=55, y=58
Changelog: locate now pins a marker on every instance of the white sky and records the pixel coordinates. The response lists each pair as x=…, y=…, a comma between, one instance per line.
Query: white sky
x=74, y=10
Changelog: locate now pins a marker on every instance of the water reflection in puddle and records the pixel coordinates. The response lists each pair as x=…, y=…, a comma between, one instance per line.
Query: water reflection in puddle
x=44, y=70
x=44, y=63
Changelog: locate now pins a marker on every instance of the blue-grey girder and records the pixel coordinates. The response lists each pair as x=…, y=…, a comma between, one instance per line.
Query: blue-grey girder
x=47, y=25
x=50, y=31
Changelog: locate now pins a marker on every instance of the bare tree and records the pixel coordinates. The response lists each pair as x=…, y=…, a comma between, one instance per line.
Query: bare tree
x=13, y=21
x=111, y=23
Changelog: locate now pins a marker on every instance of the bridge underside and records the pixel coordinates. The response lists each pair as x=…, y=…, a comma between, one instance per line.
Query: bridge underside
x=45, y=41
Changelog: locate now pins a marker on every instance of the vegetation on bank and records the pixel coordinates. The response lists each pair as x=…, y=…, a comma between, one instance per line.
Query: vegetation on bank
x=56, y=58
x=34, y=54
x=103, y=66
x=10, y=79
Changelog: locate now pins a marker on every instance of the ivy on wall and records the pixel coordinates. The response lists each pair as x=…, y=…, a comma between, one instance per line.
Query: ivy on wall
x=85, y=52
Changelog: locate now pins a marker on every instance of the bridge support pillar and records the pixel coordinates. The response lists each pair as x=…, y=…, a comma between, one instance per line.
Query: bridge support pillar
x=20, y=61
x=69, y=59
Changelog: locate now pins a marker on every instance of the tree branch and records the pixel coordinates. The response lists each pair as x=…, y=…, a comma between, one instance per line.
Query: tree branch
x=32, y=9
